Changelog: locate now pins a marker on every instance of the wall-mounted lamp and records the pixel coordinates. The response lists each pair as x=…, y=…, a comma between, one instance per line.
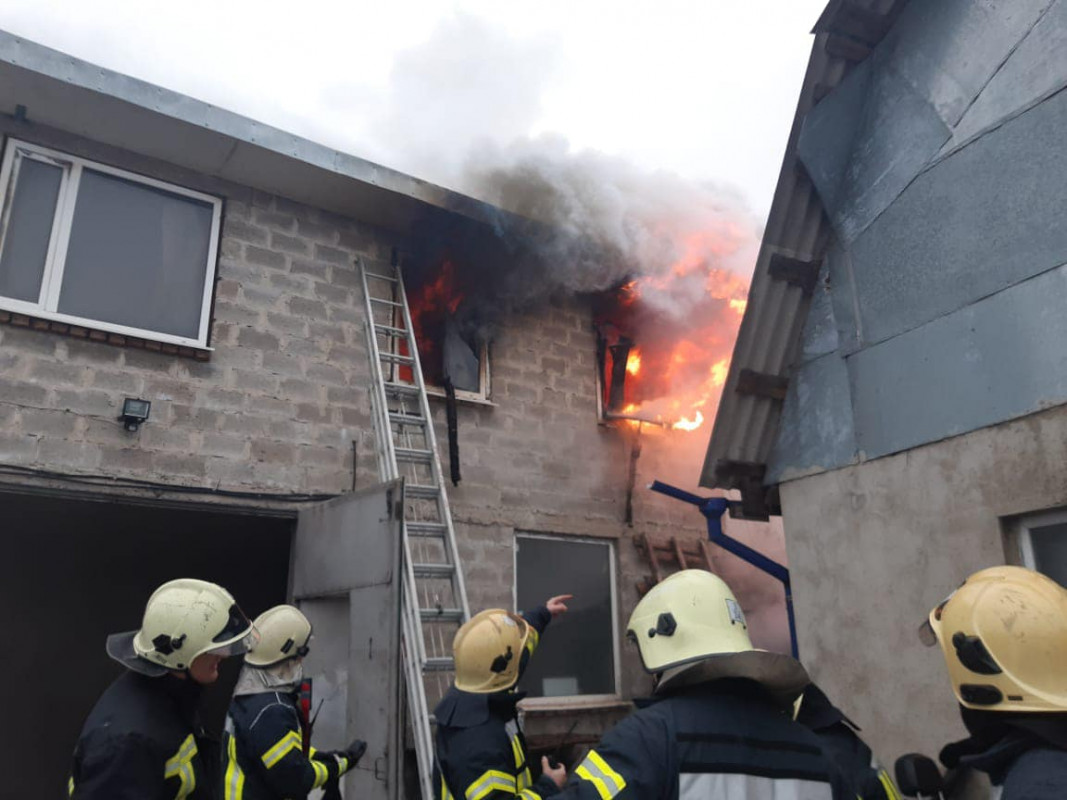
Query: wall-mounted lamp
x=134, y=412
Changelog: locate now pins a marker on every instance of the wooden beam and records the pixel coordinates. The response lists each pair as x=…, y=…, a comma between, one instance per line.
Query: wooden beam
x=761, y=384
x=794, y=271
x=846, y=48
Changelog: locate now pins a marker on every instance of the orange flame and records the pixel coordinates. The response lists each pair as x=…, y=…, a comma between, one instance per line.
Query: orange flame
x=677, y=374
x=633, y=362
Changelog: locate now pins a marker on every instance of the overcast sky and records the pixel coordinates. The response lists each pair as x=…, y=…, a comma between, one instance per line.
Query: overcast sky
x=702, y=88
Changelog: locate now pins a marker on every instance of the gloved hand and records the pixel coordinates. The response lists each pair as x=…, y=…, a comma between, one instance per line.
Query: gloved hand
x=344, y=759
x=354, y=752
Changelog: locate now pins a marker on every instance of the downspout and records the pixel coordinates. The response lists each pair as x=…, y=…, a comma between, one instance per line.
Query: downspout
x=713, y=508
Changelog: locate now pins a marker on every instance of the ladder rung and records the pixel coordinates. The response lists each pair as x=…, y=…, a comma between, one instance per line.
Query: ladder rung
x=384, y=302
x=396, y=358
x=425, y=528
x=401, y=388
x=406, y=419
x=433, y=570
x=414, y=491
x=442, y=664
x=390, y=330
x=380, y=277
x=406, y=454
x=441, y=614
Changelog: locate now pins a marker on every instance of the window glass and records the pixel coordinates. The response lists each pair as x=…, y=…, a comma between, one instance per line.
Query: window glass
x=29, y=226
x=577, y=656
x=1049, y=543
x=137, y=256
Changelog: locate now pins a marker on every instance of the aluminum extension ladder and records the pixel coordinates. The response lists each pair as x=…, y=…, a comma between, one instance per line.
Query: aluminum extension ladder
x=434, y=599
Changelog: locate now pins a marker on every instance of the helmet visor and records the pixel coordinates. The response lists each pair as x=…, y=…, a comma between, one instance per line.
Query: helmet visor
x=926, y=634
x=239, y=646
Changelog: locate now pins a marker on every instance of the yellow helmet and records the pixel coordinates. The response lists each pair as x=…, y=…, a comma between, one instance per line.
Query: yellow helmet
x=488, y=650
x=1003, y=634
x=284, y=633
x=183, y=619
x=687, y=617
x=690, y=628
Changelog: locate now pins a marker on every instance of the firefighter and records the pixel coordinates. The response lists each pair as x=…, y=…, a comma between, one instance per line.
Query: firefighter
x=267, y=745
x=1003, y=634
x=841, y=741
x=143, y=737
x=721, y=720
x=480, y=748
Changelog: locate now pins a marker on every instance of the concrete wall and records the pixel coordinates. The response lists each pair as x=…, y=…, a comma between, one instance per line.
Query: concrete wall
x=874, y=547
x=283, y=398
x=940, y=163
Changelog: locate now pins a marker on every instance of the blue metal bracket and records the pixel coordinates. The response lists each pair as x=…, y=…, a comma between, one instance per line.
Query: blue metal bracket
x=713, y=508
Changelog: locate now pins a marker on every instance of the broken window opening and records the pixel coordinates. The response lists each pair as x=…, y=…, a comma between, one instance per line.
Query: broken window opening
x=452, y=347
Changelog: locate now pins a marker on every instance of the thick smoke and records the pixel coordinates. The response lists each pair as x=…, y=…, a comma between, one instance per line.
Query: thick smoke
x=610, y=222
x=458, y=112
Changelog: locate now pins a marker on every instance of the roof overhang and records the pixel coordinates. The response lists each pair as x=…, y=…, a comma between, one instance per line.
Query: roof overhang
x=783, y=281
x=62, y=92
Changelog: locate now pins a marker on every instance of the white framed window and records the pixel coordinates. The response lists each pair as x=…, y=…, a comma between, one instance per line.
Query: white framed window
x=1042, y=542
x=91, y=245
x=579, y=656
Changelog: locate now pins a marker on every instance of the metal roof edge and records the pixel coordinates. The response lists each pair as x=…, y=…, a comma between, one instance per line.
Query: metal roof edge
x=16, y=51
x=794, y=240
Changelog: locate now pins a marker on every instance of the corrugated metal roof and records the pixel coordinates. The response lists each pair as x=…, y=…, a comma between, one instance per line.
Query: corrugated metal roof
x=796, y=236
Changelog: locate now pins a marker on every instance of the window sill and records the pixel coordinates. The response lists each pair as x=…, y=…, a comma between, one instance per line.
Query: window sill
x=99, y=332
x=551, y=706
x=467, y=398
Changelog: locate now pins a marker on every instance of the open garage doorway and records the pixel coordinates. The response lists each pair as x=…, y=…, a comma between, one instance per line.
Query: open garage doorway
x=75, y=570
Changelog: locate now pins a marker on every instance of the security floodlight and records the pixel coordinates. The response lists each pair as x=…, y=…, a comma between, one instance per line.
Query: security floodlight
x=134, y=412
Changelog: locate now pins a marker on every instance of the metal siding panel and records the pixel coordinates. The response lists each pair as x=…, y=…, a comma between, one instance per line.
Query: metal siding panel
x=992, y=361
x=820, y=335
x=816, y=430
x=867, y=141
x=949, y=49
x=1035, y=70
x=981, y=220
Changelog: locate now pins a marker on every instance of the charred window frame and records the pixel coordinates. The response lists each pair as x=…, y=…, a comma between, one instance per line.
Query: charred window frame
x=86, y=244
x=579, y=656
x=468, y=355
x=611, y=358
x=1039, y=542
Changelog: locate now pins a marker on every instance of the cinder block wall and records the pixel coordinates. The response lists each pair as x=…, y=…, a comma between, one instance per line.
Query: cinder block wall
x=285, y=394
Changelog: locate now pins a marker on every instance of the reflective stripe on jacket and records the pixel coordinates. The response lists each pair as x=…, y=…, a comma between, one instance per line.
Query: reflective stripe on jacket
x=264, y=751
x=725, y=740
x=143, y=740
x=480, y=750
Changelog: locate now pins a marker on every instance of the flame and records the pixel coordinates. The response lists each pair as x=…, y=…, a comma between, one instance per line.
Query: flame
x=689, y=425
x=429, y=304
x=719, y=371
x=633, y=362
x=683, y=321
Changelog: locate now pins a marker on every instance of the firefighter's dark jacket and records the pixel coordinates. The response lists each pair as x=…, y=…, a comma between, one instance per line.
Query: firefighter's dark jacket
x=264, y=751
x=841, y=741
x=1024, y=754
x=143, y=741
x=481, y=752
x=725, y=738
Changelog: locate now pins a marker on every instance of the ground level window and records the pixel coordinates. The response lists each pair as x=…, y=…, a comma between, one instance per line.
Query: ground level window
x=580, y=654
x=1043, y=543
x=90, y=245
